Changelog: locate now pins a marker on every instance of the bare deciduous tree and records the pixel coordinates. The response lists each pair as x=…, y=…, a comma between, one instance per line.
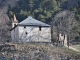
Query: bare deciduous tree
x=64, y=21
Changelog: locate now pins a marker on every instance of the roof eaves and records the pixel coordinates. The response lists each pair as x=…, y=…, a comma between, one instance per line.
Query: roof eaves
x=34, y=25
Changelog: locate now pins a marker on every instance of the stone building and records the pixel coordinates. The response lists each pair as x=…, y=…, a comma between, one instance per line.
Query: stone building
x=30, y=30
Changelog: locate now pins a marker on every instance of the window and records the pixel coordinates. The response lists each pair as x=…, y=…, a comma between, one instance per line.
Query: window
x=39, y=28
x=14, y=25
x=24, y=26
x=26, y=33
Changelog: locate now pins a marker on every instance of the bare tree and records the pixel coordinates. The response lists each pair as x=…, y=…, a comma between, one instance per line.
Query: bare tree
x=64, y=21
x=5, y=24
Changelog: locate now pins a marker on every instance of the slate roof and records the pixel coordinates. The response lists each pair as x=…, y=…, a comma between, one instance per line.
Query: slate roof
x=32, y=22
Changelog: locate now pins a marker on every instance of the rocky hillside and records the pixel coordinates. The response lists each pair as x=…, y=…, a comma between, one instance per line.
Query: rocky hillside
x=37, y=51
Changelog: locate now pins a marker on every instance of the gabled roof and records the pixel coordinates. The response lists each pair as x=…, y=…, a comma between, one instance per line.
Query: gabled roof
x=32, y=22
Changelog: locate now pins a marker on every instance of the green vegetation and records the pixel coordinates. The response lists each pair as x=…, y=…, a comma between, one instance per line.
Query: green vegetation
x=41, y=10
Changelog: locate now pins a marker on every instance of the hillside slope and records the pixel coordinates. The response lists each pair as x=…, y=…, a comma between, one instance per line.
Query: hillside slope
x=37, y=51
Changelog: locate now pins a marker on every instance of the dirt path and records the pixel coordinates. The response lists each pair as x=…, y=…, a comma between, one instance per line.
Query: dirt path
x=70, y=47
x=73, y=48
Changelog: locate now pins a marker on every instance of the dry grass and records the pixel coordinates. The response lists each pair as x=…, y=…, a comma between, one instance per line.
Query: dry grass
x=45, y=50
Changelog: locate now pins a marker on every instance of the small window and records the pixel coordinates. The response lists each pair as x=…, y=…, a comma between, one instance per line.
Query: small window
x=14, y=25
x=39, y=28
x=24, y=26
x=26, y=33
